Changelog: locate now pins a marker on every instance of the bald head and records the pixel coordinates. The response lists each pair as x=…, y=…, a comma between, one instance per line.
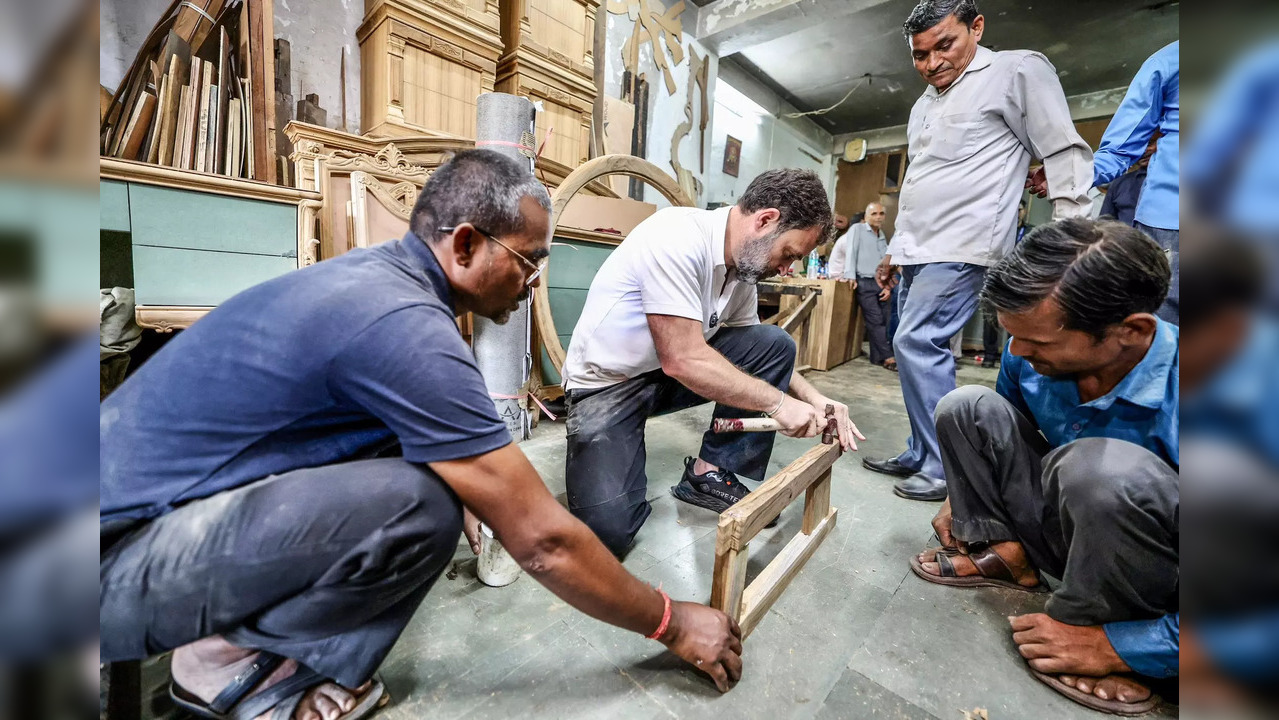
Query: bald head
x=875, y=216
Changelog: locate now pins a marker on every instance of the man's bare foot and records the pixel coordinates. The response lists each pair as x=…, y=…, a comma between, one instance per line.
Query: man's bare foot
x=206, y=666
x=1080, y=655
x=1111, y=687
x=1012, y=553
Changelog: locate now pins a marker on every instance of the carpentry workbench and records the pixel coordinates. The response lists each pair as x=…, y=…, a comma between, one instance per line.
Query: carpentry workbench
x=833, y=338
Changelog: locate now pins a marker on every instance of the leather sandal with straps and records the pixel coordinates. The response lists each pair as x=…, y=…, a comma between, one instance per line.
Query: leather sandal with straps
x=992, y=571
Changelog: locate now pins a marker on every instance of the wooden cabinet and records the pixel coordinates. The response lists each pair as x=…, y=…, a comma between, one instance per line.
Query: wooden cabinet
x=194, y=240
x=549, y=57
x=423, y=63
x=833, y=339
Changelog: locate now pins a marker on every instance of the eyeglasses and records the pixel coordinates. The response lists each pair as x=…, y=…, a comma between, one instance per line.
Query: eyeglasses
x=536, y=267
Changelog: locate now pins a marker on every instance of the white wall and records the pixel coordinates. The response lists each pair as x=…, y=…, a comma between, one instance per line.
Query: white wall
x=665, y=110
x=767, y=143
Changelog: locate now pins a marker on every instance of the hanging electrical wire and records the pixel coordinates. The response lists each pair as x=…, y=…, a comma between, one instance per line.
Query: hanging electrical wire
x=823, y=111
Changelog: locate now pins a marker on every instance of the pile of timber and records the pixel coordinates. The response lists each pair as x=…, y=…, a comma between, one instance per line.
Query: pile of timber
x=199, y=92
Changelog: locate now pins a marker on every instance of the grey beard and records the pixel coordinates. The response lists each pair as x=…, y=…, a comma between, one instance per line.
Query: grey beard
x=752, y=261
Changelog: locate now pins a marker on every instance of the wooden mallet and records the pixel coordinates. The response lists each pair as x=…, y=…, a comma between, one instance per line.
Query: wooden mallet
x=723, y=425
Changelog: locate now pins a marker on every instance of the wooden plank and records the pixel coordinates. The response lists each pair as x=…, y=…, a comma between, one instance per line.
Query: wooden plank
x=800, y=314
x=760, y=595
x=262, y=81
x=136, y=131
x=729, y=582
x=751, y=514
x=816, y=503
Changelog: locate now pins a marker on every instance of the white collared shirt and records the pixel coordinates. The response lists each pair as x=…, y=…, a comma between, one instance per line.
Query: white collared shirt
x=970, y=148
x=670, y=264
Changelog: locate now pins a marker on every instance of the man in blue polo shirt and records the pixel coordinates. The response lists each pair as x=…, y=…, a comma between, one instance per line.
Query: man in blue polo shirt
x=1070, y=466
x=285, y=480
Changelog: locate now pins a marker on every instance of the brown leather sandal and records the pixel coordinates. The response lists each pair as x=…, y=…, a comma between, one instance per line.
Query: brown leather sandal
x=1088, y=700
x=993, y=572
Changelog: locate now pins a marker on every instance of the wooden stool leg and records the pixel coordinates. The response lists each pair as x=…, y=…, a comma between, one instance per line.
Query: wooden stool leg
x=729, y=582
x=124, y=690
x=816, y=503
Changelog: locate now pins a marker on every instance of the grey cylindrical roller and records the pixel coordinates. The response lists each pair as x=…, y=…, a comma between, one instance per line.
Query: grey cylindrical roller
x=502, y=351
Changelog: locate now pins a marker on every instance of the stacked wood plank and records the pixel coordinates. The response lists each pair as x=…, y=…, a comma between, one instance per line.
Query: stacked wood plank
x=197, y=95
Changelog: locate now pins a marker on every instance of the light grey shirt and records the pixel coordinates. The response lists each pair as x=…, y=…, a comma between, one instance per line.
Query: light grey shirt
x=863, y=251
x=970, y=148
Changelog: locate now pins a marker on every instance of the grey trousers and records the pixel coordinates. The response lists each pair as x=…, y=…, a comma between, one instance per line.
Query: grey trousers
x=1100, y=514
x=604, y=465
x=875, y=316
x=323, y=565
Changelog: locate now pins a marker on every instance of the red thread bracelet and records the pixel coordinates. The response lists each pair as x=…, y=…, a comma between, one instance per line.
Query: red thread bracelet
x=666, y=618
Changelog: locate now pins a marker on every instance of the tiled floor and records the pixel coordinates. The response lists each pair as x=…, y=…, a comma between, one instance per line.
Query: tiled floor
x=856, y=635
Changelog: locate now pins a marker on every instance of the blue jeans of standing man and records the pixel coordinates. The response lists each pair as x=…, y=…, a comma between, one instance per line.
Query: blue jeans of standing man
x=935, y=300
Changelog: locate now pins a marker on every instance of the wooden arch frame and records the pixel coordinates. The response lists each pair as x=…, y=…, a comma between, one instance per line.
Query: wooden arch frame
x=589, y=171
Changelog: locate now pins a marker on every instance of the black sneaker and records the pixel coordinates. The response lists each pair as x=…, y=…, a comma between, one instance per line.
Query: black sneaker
x=716, y=490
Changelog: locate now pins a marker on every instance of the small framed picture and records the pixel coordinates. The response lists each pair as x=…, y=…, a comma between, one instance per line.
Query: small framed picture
x=732, y=155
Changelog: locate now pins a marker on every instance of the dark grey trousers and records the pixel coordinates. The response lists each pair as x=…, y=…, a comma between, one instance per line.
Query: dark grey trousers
x=875, y=316
x=604, y=468
x=1100, y=514
x=323, y=565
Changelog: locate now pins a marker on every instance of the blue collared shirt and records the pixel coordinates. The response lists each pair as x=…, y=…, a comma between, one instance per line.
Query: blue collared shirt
x=1153, y=102
x=1141, y=409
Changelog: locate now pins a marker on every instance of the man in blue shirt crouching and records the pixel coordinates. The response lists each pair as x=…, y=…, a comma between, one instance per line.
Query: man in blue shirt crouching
x=1070, y=466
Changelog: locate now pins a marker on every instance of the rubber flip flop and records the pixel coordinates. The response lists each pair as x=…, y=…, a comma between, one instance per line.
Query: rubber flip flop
x=987, y=567
x=1088, y=700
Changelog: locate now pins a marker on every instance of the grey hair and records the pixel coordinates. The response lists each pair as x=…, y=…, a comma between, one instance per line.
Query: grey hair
x=481, y=187
x=799, y=197
x=928, y=13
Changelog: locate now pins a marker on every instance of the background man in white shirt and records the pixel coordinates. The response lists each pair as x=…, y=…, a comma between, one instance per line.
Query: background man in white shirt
x=671, y=321
x=971, y=136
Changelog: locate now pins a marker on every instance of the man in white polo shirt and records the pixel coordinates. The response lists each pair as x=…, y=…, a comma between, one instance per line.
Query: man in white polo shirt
x=670, y=322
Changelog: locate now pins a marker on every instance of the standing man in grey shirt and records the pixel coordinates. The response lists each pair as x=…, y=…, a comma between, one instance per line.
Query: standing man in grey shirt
x=971, y=137
x=865, y=248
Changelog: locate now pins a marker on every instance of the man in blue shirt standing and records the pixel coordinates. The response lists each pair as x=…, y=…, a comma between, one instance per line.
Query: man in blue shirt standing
x=284, y=481
x=1070, y=466
x=1152, y=105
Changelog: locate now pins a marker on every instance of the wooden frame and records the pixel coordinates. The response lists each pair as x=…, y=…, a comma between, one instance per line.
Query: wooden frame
x=167, y=318
x=403, y=43
x=748, y=602
x=801, y=317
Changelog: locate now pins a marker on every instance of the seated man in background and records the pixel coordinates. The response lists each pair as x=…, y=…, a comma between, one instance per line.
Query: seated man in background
x=283, y=482
x=865, y=248
x=1070, y=466
x=672, y=321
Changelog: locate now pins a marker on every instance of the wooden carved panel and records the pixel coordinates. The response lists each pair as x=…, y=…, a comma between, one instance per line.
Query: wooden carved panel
x=439, y=94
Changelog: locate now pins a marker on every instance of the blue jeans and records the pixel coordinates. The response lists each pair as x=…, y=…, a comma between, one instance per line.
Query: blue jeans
x=1170, y=241
x=935, y=300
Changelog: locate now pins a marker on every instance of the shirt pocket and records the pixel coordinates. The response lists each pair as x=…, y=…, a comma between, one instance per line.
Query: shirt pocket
x=956, y=136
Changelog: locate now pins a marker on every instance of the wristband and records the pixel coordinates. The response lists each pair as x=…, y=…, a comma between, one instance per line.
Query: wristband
x=666, y=618
x=775, y=410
